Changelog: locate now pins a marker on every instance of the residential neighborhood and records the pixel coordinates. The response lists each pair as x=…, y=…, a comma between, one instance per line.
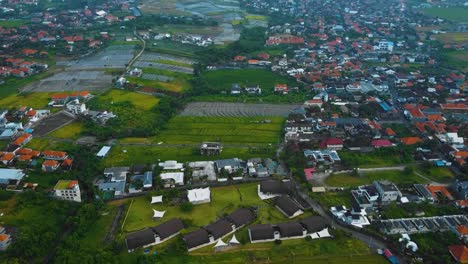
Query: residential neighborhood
x=236, y=131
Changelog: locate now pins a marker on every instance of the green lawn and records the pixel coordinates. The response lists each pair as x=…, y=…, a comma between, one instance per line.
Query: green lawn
x=71, y=131
x=329, y=199
x=438, y=174
x=457, y=59
x=177, y=85
x=377, y=158
x=12, y=23
x=395, y=176
x=455, y=14
x=128, y=155
x=222, y=80
x=228, y=130
x=96, y=233
x=224, y=200
x=46, y=180
x=140, y=101
x=46, y=144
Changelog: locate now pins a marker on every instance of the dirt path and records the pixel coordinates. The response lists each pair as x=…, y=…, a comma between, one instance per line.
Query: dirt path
x=111, y=234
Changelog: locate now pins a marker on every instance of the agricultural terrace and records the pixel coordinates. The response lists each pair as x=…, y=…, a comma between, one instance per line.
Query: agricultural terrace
x=222, y=80
x=455, y=14
x=126, y=155
x=395, y=176
x=224, y=200
x=227, y=130
x=220, y=109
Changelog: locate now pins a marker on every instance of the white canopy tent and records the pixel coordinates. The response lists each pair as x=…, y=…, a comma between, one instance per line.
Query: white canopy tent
x=156, y=199
x=198, y=196
x=234, y=240
x=158, y=214
x=324, y=233
x=220, y=243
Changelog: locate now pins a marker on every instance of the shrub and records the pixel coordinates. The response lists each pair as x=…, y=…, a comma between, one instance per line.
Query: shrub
x=186, y=207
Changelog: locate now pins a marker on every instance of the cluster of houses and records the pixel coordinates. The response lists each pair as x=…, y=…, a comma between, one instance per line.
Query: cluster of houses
x=51, y=28
x=21, y=68
x=345, y=129
x=369, y=198
x=176, y=174
x=279, y=88
x=16, y=154
x=13, y=123
x=216, y=233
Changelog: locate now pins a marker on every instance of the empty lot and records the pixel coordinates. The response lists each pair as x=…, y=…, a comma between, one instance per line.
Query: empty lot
x=237, y=109
x=52, y=123
x=113, y=57
x=72, y=80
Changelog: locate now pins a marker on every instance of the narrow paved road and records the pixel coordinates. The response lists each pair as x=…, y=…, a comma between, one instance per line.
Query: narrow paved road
x=140, y=52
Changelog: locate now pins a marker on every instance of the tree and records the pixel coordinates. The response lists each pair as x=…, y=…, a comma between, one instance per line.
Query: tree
x=186, y=207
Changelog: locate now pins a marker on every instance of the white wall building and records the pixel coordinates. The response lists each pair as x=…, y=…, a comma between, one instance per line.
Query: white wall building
x=68, y=190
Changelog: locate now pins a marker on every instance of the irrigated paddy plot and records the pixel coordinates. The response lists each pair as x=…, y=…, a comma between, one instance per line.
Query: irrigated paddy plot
x=165, y=62
x=237, y=109
x=228, y=130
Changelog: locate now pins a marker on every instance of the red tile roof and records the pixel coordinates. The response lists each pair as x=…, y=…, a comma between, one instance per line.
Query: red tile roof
x=50, y=163
x=51, y=153
x=390, y=132
x=381, y=143
x=462, y=229
x=459, y=253
x=434, y=189
x=410, y=140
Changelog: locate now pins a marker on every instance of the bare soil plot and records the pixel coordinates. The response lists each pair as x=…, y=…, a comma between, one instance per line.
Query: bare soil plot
x=52, y=123
x=71, y=81
x=113, y=57
x=237, y=109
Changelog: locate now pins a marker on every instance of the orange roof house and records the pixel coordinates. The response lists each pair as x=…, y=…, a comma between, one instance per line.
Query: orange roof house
x=390, y=132
x=23, y=139
x=439, y=191
x=461, y=203
x=23, y=151
x=410, y=140
x=460, y=154
x=462, y=230
x=67, y=163
x=459, y=253
x=7, y=158
x=24, y=158
x=50, y=165
x=55, y=155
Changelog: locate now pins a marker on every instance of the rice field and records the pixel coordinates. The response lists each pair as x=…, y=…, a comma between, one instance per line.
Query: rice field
x=228, y=130
x=140, y=101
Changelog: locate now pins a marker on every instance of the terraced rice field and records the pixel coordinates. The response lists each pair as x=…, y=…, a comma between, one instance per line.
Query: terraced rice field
x=237, y=109
x=228, y=130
